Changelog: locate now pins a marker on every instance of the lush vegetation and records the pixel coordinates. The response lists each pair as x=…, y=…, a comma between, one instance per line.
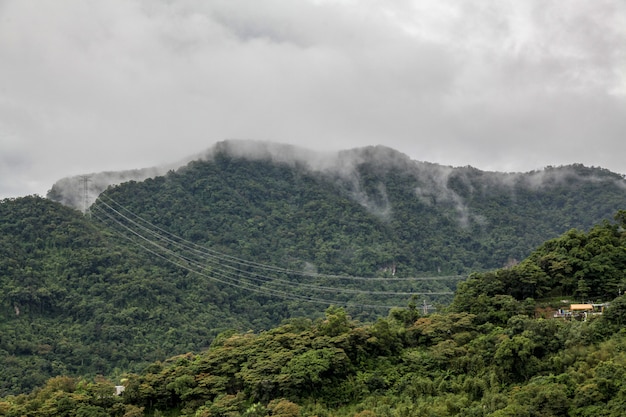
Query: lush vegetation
x=81, y=296
x=491, y=353
x=579, y=266
x=443, y=365
x=75, y=301
x=386, y=212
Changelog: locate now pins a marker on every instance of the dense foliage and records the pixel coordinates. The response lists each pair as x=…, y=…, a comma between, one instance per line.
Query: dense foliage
x=386, y=212
x=81, y=296
x=584, y=266
x=504, y=360
x=75, y=301
x=403, y=365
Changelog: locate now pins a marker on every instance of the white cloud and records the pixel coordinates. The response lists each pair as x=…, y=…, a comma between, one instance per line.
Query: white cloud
x=91, y=85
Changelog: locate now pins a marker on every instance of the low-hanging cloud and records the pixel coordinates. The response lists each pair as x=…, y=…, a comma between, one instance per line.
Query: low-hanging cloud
x=97, y=86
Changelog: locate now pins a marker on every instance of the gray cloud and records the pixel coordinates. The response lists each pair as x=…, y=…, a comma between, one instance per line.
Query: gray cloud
x=89, y=86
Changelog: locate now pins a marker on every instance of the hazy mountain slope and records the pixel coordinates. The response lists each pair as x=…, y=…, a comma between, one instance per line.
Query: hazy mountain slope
x=420, y=217
x=75, y=301
x=83, y=295
x=489, y=354
x=70, y=191
x=488, y=216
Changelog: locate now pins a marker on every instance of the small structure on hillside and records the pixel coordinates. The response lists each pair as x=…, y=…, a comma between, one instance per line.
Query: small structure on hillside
x=581, y=311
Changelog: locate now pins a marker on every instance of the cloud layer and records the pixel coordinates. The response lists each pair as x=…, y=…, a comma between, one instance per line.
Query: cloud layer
x=90, y=85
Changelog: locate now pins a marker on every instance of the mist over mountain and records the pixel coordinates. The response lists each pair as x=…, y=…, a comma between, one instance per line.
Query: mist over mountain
x=344, y=166
x=249, y=234
x=491, y=218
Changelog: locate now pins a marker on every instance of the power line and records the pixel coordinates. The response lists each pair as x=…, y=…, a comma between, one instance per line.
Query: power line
x=226, y=279
x=232, y=271
x=317, y=287
x=233, y=259
x=263, y=278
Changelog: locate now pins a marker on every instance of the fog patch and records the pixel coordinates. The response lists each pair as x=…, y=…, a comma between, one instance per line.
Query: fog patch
x=309, y=268
x=381, y=160
x=437, y=185
x=70, y=191
x=435, y=190
x=480, y=220
x=564, y=175
x=378, y=204
x=272, y=152
x=341, y=166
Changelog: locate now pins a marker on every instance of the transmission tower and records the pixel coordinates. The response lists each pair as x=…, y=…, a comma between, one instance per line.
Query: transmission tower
x=85, y=179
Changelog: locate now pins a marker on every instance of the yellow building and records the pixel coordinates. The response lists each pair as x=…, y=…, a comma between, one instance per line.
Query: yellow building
x=581, y=307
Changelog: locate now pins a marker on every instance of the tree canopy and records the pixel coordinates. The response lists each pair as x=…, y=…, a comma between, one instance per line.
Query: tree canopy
x=84, y=296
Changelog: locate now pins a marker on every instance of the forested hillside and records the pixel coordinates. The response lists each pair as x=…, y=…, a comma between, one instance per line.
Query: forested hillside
x=245, y=238
x=581, y=266
x=368, y=210
x=74, y=300
x=490, y=354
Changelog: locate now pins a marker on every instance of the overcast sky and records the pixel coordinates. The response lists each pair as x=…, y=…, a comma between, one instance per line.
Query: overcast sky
x=507, y=85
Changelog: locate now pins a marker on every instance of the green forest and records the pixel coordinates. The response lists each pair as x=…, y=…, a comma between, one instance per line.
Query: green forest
x=237, y=286
x=495, y=351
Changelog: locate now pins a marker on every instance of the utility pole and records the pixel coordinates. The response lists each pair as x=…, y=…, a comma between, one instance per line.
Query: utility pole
x=86, y=179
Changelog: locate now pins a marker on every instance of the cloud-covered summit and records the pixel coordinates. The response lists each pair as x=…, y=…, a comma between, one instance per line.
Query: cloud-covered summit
x=499, y=85
x=434, y=183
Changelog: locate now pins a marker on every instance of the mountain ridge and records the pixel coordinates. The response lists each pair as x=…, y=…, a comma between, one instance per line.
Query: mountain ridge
x=147, y=274
x=342, y=164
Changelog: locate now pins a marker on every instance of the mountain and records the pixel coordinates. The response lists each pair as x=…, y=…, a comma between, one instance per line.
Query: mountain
x=369, y=209
x=249, y=234
x=75, y=300
x=492, y=353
